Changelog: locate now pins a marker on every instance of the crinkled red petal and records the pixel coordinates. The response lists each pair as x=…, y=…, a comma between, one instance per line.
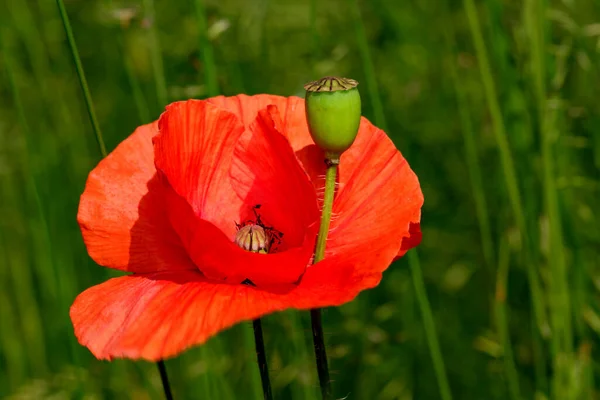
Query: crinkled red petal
x=367, y=155
x=194, y=151
x=158, y=315
x=122, y=214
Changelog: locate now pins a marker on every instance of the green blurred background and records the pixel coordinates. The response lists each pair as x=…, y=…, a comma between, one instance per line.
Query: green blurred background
x=495, y=104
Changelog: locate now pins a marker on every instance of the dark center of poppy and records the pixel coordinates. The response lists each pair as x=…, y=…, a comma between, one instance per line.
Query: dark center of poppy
x=254, y=236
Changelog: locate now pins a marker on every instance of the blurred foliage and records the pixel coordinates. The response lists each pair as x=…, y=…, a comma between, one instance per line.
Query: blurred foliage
x=416, y=59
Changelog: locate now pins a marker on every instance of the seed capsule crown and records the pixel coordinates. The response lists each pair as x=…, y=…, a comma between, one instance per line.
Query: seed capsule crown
x=330, y=84
x=333, y=113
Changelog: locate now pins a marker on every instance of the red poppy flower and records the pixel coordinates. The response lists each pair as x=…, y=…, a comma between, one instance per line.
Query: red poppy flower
x=164, y=206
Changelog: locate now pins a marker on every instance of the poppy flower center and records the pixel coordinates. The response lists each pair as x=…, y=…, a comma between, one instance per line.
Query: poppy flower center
x=254, y=236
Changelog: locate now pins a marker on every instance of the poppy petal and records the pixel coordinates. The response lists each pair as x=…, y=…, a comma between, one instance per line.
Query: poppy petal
x=291, y=109
x=413, y=239
x=246, y=108
x=265, y=171
x=158, y=315
x=194, y=151
x=292, y=125
x=121, y=212
x=222, y=260
x=295, y=129
x=378, y=199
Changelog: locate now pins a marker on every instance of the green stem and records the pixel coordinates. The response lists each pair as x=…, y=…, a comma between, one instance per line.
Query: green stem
x=330, y=177
x=81, y=75
x=315, y=314
x=429, y=325
x=510, y=369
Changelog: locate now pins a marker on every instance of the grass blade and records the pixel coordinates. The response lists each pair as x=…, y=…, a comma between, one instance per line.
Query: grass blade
x=413, y=258
x=208, y=58
x=156, y=57
x=560, y=302
x=81, y=75
x=500, y=308
x=514, y=195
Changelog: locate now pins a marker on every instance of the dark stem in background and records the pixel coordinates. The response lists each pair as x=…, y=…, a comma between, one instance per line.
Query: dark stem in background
x=320, y=352
x=165, y=379
x=98, y=133
x=261, y=356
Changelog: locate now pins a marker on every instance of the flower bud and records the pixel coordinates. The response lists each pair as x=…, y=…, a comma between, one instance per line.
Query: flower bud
x=253, y=238
x=333, y=113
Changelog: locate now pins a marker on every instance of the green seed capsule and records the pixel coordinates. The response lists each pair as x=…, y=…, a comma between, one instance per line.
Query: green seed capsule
x=333, y=113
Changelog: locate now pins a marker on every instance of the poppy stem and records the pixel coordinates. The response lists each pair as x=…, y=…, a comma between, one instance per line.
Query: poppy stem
x=261, y=356
x=320, y=353
x=165, y=379
x=315, y=314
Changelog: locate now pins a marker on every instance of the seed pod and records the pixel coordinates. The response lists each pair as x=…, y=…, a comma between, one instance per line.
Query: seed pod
x=333, y=113
x=253, y=238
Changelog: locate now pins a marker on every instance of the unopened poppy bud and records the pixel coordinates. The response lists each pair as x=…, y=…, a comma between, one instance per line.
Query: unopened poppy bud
x=333, y=113
x=253, y=238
